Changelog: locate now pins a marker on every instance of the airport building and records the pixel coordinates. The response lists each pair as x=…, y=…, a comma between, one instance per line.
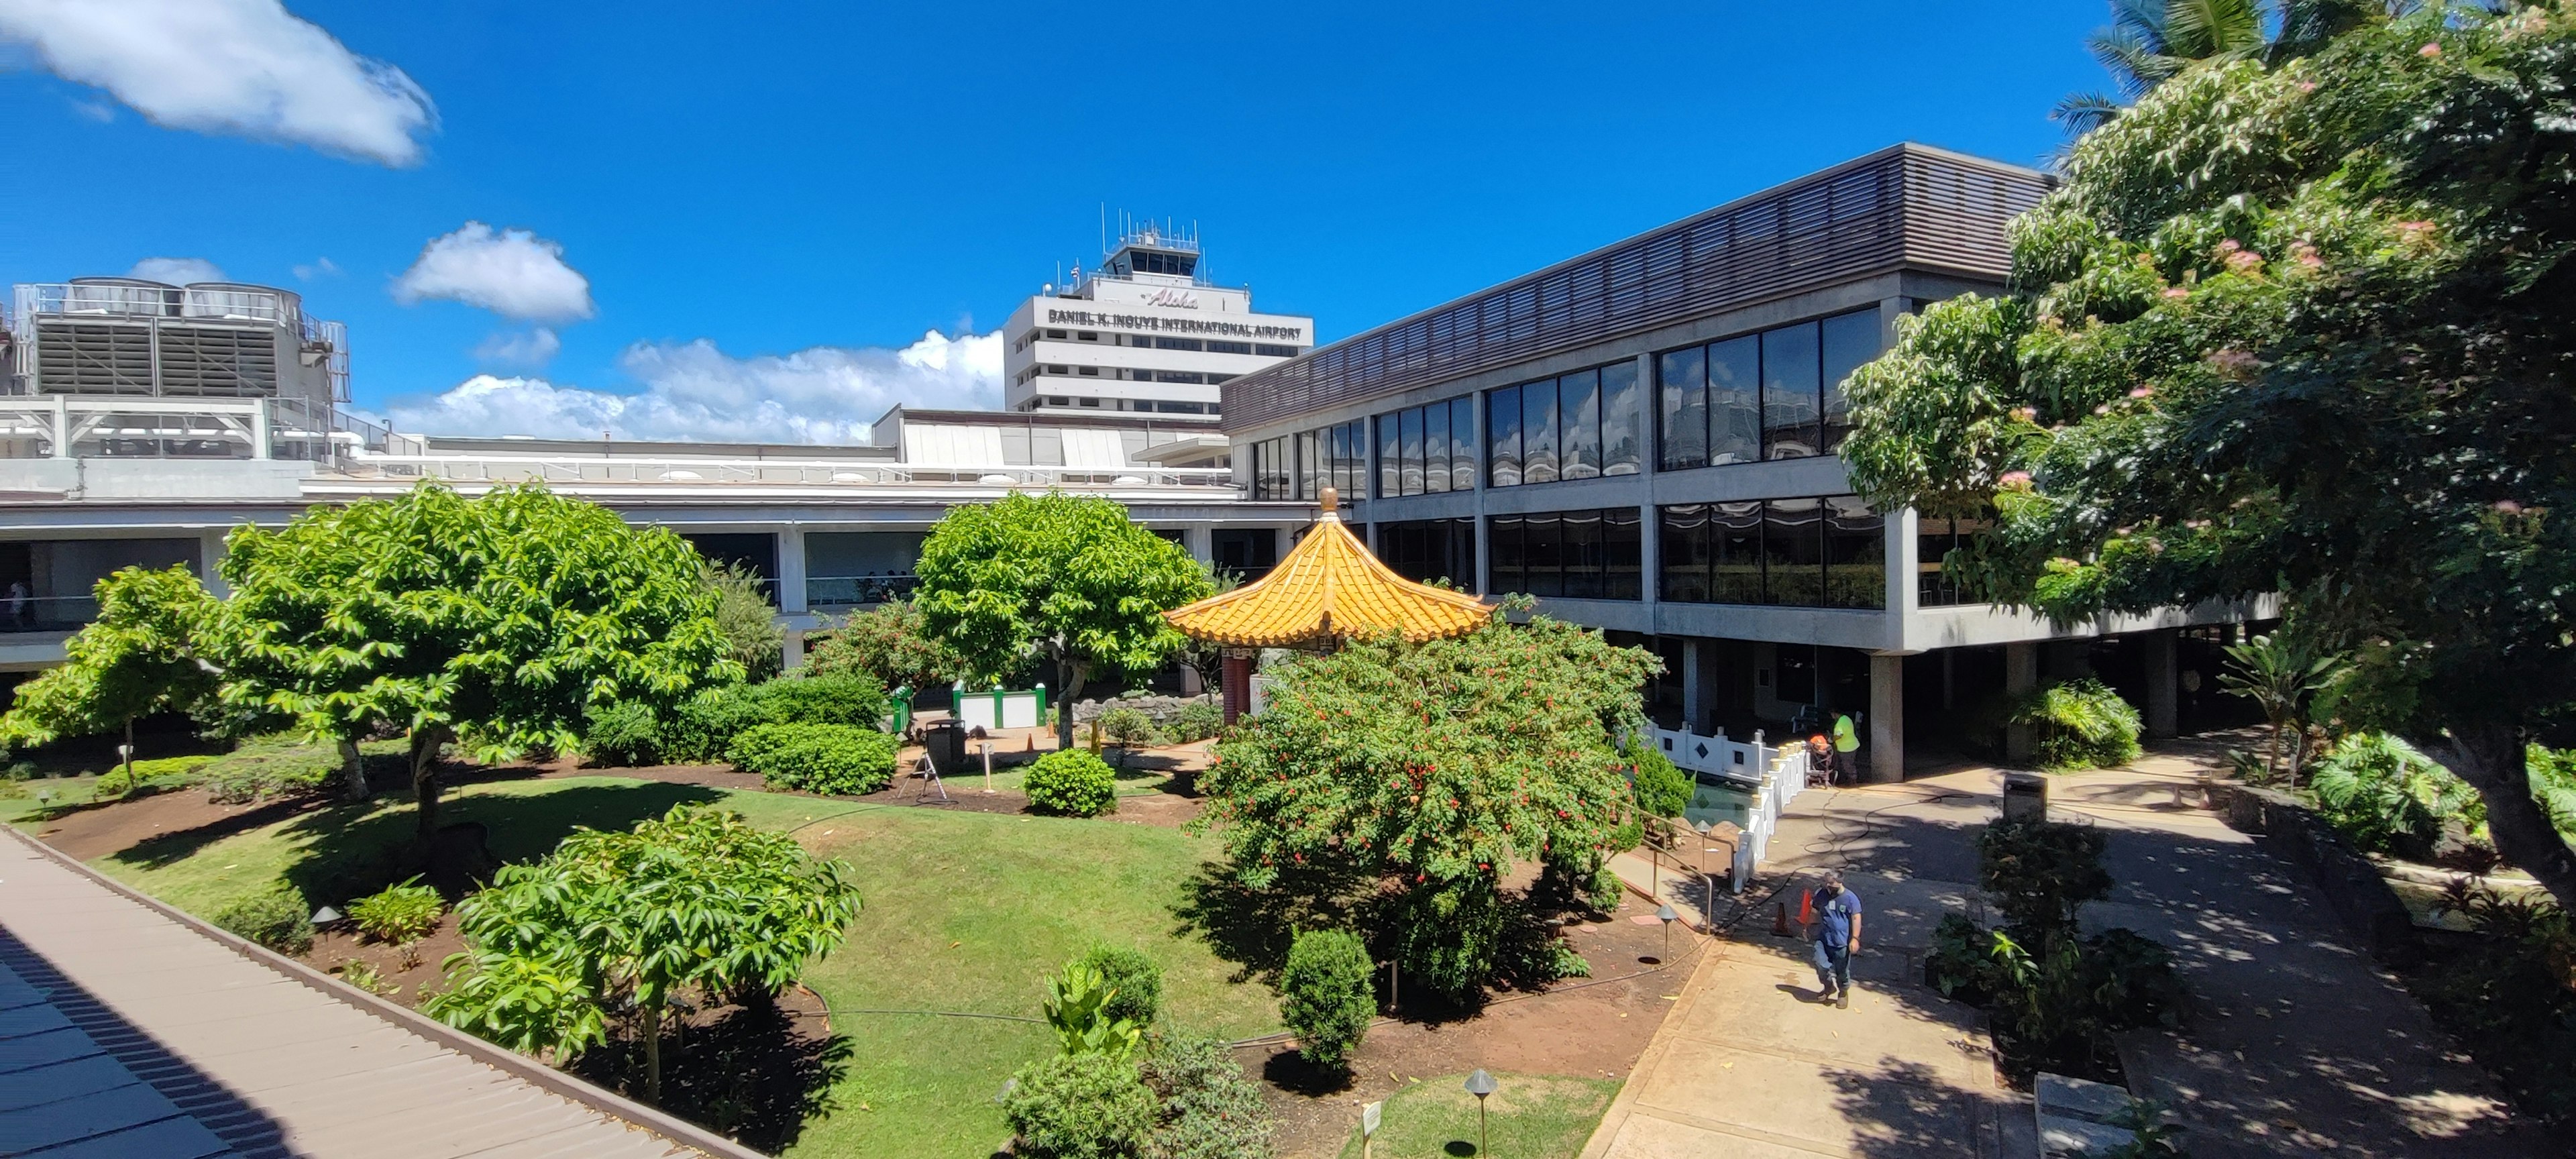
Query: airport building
x=1146, y=332
x=1643, y=438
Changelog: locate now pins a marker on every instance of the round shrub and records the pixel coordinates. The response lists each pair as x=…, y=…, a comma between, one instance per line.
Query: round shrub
x=1326, y=996
x=1135, y=977
x=851, y=698
x=1072, y=783
x=830, y=759
x=398, y=913
x=277, y=917
x=622, y=734
x=2080, y=724
x=1197, y=720
x=1079, y=1106
x=1210, y=1110
x=704, y=728
x=1663, y=789
x=1127, y=726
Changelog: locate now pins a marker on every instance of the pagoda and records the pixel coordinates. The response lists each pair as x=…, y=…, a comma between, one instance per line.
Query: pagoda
x=1329, y=588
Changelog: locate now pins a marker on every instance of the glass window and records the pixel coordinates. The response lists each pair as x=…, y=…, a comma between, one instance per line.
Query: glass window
x=1581, y=554
x=1542, y=552
x=1682, y=409
x=1390, y=457
x=1579, y=408
x=1682, y=543
x=1789, y=392
x=1411, y=421
x=1306, y=464
x=1855, y=554
x=1505, y=552
x=1793, y=555
x=1462, y=444
x=1734, y=400
x=1435, y=449
x=1538, y=432
x=1622, y=554
x=1619, y=428
x=1849, y=341
x=1735, y=553
x=1503, y=441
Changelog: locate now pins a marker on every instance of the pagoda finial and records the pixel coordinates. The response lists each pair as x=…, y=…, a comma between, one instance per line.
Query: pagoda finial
x=1331, y=499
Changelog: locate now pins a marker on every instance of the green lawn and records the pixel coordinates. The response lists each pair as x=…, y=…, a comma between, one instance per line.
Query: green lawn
x=963, y=912
x=1529, y=1117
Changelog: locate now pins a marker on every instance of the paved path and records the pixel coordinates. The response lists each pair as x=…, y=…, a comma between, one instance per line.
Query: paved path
x=126, y=1032
x=2293, y=1044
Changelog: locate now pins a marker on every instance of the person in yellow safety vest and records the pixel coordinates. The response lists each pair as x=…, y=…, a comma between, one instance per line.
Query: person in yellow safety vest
x=1846, y=743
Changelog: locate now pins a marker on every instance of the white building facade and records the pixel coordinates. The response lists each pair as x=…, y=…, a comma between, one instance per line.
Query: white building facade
x=1147, y=332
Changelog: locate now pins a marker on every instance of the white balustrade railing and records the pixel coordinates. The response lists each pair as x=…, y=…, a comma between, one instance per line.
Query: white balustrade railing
x=823, y=473
x=1770, y=776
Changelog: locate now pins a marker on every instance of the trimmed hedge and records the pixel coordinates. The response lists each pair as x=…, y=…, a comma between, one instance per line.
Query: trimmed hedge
x=1135, y=977
x=622, y=734
x=277, y=917
x=1327, y=995
x=1072, y=783
x=703, y=730
x=851, y=698
x=831, y=759
x=1079, y=1106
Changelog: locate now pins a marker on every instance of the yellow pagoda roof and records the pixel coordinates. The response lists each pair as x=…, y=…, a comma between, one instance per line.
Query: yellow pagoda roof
x=1328, y=586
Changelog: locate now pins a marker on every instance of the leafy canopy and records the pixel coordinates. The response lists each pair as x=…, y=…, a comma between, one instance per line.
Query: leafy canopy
x=2294, y=329
x=890, y=642
x=137, y=658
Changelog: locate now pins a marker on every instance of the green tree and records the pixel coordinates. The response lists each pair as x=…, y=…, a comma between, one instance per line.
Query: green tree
x=890, y=642
x=1067, y=579
x=748, y=620
x=1434, y=768
x=2150, y=41
x=2298, y=330
x=137, y=658
x=500, y=620
x=699, y=898
x=2284, y=674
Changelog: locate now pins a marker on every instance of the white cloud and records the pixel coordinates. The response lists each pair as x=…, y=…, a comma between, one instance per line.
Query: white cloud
x=512, y=272
x=533, y=348
x=321, y=268
x=693, y=391
x=177, y=271
x=247, y=67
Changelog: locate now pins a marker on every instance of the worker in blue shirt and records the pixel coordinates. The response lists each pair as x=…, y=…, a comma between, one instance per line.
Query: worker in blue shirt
x=1834, y=922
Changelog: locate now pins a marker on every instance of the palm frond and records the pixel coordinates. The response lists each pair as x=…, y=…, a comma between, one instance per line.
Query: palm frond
x=2212, y=29
x=2084, y=112
x=2131, y=59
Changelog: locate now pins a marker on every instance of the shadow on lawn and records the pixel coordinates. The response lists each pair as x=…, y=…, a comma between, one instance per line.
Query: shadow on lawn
x=754, y=1073
x=346, y=851
x=1252, y=928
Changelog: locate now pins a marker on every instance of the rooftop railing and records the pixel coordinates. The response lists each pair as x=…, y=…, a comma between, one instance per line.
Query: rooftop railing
x=771, y=472
x=137, y=300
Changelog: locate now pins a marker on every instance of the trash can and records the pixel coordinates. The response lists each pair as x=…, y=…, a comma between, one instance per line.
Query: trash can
x=945, y=740
x=2025, y=797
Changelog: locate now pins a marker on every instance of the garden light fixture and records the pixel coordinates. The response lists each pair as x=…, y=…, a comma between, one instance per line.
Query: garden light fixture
x=1480, y=1085
x=1667, y=913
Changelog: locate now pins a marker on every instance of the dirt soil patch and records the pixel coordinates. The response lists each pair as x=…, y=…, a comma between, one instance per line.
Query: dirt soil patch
x=1587, y=1027
x=94, y=831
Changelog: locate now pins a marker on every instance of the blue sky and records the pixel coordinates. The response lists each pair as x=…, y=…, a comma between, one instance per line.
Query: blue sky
x=764, y=208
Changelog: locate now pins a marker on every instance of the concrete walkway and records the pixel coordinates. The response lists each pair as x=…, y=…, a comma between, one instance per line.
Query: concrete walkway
x=2292, y=1044
x=127, y=1031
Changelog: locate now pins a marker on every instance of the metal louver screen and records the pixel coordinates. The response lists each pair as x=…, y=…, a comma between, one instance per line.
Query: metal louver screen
x=1903, y=207
x=99, y=357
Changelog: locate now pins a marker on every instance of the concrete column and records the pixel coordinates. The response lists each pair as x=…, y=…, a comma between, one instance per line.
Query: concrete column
x=1650, y=549
x=2164, y=702
x=792, y=654
x=210, y=557
x=1886, y=739
x=1694, y=686
x=791, y=571
x=2021, y=674
x=1200, y=542
x=62, y=427
x=259, y=432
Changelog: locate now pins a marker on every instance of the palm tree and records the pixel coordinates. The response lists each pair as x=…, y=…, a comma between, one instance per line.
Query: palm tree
x=2149, y=41
x=2284, y=675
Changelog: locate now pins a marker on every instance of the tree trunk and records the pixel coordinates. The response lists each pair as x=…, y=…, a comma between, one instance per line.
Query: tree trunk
x=129, y=753
x=2491, y=758
x=424, y=778
x=353, y=770
x=653, y=1054
x=1068, y=676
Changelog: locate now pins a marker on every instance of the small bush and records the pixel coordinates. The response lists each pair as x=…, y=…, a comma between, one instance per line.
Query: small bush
x=851, y=698
x=1072, y=783
x=2041, y=872
x=1198, y=721
x=277, y=917
x=399, y=913
x=1210, y=1110
x=1663, y=789
x=1135, y=977
x=1127, y=726
x=704, y=728
x=830, y=759
x=1326, y=995
x=365, y=977
x=2080, y=724
x=624, y=734
x=1079, y=1106
x=2386, y=797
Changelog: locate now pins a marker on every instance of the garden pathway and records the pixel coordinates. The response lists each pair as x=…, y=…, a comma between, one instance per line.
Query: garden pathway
x=2294, y=1043
x=127, y=1030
